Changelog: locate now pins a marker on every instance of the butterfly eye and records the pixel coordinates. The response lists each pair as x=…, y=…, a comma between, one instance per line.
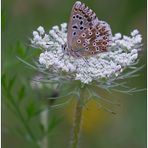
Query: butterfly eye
x=79, y=41
x=64, y=46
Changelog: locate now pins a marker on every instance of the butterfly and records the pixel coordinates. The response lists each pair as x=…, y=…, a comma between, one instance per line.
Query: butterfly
x=87, y=35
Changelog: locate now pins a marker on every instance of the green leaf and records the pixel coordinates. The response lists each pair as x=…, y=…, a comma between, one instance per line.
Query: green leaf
x=31, y=110
x=20, y=49
x=8, y=84
x=32, y=66
x=21, y=93
x=26, y=63
x=10, y=106
x=11, y=83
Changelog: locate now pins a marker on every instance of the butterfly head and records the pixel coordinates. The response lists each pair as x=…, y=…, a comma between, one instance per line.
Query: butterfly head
x=69, y=51
x=64, y=46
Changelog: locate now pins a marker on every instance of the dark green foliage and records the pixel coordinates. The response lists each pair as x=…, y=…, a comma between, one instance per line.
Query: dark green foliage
x=32, y=110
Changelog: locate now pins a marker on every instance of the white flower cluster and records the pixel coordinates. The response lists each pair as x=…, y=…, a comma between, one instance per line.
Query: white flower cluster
x=123, y=53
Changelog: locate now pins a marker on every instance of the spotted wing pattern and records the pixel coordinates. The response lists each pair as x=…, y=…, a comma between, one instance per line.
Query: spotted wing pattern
x=86, y=34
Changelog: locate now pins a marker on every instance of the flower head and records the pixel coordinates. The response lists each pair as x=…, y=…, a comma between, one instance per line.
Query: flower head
x=107, y=65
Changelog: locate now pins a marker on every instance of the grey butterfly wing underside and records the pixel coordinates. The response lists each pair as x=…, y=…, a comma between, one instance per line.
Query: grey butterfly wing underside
x=84, y=29
x=80, y=20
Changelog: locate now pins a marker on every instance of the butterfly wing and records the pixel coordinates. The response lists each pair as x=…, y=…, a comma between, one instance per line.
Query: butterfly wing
x=81, y=19
x=86, y=34
x=95, y=39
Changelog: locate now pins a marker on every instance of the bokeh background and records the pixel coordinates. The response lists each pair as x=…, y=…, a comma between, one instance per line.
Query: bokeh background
x=100, y=129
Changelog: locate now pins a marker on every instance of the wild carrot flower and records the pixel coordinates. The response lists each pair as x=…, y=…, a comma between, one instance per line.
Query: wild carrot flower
x=81, y=75
x=106, y=66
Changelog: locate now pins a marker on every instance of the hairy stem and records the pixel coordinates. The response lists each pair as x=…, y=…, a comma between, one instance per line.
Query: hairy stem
x=76, y=125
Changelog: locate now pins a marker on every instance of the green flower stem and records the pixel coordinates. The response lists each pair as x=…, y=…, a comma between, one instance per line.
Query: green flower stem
x=44, y=120
x=76, y=124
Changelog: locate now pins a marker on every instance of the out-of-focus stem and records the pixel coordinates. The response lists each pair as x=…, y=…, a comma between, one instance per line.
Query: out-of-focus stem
x=44, y=122
x=76, y=125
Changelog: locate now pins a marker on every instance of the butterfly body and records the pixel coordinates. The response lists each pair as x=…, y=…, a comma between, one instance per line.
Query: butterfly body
x=87, y=35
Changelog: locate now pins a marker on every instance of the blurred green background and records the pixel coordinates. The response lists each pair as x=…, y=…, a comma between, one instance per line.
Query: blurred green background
x=102, y=130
